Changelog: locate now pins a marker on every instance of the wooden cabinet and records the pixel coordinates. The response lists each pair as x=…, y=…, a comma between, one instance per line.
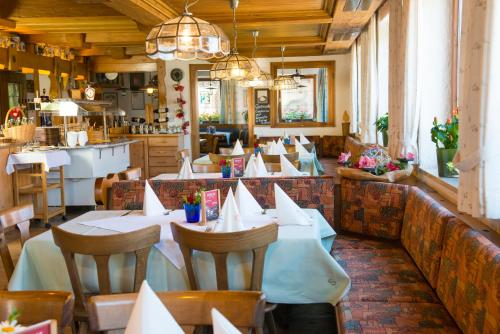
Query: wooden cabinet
x=155, y=154
x=6, y=195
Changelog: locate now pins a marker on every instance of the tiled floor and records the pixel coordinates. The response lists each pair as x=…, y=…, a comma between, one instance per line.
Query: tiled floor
x=292, y=319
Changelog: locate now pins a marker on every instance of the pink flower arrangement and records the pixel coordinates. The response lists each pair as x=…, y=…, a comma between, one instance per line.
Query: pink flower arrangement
x=344, y=158
x=409, y=156
x=367, y=162
x=392, y=167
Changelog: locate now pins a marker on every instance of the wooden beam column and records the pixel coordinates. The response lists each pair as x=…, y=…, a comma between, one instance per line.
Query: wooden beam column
x=161, y=70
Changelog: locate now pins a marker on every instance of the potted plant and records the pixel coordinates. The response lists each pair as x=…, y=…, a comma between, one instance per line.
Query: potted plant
x=225, y=167
x=445, y=136
x=192, y=207
x=382, y=126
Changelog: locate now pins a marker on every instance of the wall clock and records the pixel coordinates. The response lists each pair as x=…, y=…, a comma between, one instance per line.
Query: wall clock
x=177, y=74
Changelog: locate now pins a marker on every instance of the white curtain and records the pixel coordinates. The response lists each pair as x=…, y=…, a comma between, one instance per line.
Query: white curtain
x=434, y=68
x=479, y=101
x=369, y=82
x=383, y=66
x=354, y=88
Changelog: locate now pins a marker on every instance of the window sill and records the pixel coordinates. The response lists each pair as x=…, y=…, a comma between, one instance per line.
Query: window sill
x=445, y=186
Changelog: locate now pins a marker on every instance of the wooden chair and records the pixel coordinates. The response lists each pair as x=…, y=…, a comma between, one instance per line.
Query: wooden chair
x=244, y=309
x=215, y=158
x=38, y=306
x=182, y=154
x=102, y=187
x=19, y=217
x=220, y=245
x=289, y=148
x=275, y=158
x=212, y=168
x=309, y=147
x=130, y=174
x=211, y=145
x=101, y=248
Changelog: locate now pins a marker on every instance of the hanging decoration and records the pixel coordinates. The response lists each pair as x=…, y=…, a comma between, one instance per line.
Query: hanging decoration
x=179, y=112
x=234, y=66
x=186, y=38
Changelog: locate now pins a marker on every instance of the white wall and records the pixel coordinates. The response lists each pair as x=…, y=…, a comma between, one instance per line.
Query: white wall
x=342, y=94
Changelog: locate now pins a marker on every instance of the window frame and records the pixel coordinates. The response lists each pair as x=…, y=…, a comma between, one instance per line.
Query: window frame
x=275, y=112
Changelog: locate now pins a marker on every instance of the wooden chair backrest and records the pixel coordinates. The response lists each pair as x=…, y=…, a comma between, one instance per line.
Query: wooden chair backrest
x=309, y=147
x=101, y=248
x=274, y=158
x=38, y=306
x=211, y=144
x=289, y=148
x=130, y=174
x=275, y=167
x=19, y=217
x=101, y=187
x=244, y=309
x=212, y=168
x=220, y=245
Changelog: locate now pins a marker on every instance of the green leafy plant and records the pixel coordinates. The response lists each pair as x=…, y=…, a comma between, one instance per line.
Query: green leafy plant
x=382, y=123
x=446, y=134
x=13, y=316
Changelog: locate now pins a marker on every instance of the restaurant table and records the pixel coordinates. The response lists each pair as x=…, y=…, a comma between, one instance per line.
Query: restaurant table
x=298, y=266
x=49, y=159
x=200, y=176
x=307, y=165
x=221, y=134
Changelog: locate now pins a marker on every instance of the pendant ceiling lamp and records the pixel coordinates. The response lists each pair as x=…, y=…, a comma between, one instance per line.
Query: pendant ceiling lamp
x=234, y=66
x=264, y=79
x=186, y=38
x=298, y=76
x=284, y=82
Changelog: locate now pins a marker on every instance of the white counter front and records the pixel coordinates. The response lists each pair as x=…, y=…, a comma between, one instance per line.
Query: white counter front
x=87, y=164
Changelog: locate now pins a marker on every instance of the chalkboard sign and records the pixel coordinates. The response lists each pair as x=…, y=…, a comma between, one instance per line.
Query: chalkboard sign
x=262, y=107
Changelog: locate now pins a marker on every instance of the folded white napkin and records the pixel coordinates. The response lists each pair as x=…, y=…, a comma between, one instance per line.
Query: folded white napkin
x=238, y=149
x=152, y=205
x=261, y=166
x=303, y=139
x=246, y=203
x=230, y=219
x=280, y=147
x=186, y=172
x=221, y=325
x=303, y=153
x=272, y=148
x=251, y=169
x=150, y=316
x=287, y=168
x=288, y=212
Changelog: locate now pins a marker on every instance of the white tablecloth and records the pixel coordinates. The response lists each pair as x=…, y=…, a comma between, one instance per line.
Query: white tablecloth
x=51, y=159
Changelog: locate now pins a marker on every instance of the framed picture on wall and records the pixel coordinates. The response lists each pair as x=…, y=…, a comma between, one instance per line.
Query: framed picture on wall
x=262, y=96
x=137, y=100
x=137, y=80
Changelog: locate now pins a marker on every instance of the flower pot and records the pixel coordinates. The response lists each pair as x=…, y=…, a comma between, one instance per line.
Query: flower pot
x=385, y=138
x=445, y=155
x=192, y=212
x=226, y=172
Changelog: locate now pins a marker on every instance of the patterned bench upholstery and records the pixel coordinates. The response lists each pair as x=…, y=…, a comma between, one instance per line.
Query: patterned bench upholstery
x=315, y=192
x=439, y=277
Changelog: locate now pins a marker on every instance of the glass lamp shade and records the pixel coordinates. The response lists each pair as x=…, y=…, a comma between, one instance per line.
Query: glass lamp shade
x=186, y=38
x=284, y=82
x=264, y=80
x=234, y=67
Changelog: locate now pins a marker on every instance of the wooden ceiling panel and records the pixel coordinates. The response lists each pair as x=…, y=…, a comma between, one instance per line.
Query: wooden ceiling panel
x=117, y=28
x=59, y=8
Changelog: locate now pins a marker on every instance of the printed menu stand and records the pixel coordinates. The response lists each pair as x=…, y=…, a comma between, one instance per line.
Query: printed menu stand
x=238, y=167
x=210, y=205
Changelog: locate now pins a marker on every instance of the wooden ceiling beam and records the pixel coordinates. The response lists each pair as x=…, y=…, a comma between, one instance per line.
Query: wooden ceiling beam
x=6, y=24
x=257, y=19
x=277, y=42
x=76, y=41
x=145, y=12
x=132, y=64
x=115, y=39
x=75, y=24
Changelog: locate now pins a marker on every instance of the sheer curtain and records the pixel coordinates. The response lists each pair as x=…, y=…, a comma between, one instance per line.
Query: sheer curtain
x=354, y=88
x=479, y=100
x=383, y=65
x=369, y=82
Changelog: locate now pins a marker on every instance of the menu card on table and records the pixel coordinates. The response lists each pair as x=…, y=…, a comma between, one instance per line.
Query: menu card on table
x=46, y=327
x=210, y=205
x=238, y=167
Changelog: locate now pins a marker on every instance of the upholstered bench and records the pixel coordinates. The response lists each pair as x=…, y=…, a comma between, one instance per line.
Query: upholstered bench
x=414, y=267
x=314, y=192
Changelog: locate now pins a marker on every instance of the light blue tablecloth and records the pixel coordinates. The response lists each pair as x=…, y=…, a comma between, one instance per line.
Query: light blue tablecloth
x=298, y=266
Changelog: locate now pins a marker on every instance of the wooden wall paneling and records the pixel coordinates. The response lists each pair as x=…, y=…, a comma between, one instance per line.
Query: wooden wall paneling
x=195, y=124
x=6, y=195
x=139, y=156
x=251, y=116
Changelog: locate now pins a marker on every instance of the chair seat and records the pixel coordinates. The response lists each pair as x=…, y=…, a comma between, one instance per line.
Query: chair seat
x=354, y=242
x=392, y=293
x=415, y=318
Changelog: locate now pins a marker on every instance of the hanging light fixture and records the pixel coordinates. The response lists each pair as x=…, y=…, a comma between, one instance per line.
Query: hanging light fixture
x=234, y=66
x=284, y=82
x=264, y=79
x=186, y=38
x=298, y=76
x=211, y=89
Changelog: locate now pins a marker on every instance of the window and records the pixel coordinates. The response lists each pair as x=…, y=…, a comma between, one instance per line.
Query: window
x=309, y=105
x=209, y=101
x=13, y=92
